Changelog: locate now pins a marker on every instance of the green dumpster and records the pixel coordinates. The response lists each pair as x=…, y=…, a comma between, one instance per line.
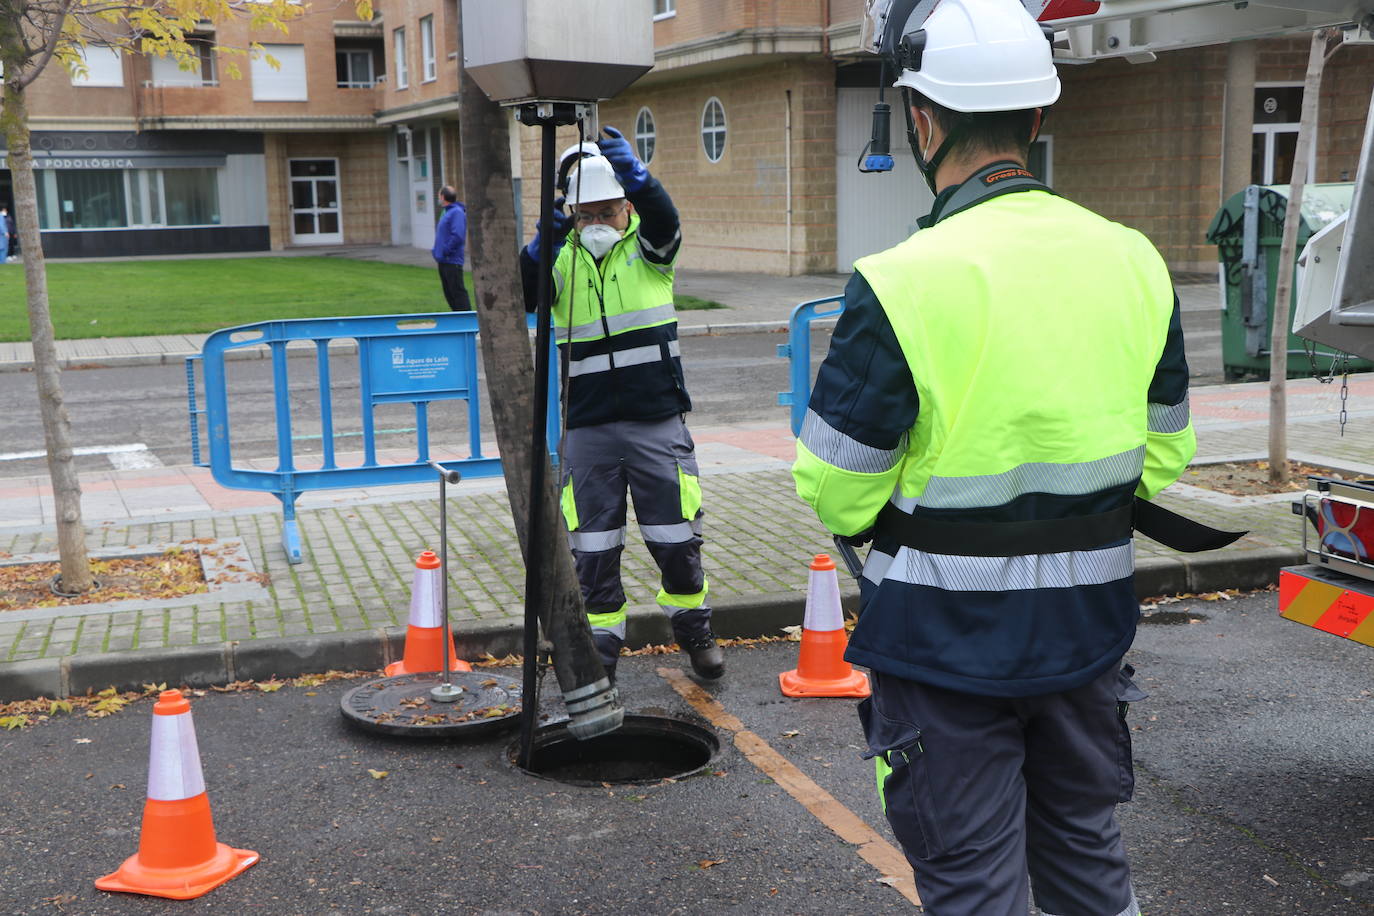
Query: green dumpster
x=1248, y=231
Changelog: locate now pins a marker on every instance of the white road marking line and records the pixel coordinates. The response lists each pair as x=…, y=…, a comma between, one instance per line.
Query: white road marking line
x=134, y=460
x=132, y=447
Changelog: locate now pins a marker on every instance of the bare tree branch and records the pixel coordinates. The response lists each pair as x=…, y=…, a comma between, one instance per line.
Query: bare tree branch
x=49, y=46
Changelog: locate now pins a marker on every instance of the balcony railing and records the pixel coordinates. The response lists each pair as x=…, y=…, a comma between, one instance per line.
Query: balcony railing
x=177, y=84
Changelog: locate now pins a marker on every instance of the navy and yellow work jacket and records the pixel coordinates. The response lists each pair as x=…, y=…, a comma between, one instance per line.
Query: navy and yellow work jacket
x=999, y=389
x=614, y=319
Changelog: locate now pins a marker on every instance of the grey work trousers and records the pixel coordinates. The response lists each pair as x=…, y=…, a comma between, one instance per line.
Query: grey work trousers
x=986, y=790
x=655, y=460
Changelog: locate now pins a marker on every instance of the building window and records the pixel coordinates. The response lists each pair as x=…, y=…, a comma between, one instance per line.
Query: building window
x=194, y=73
x=664, y=8
x=401, y=68
x=645, y=134
x=353, y=68
x=104, y=67
x=1274, y=145
x=91, y=199
x=286, y=81
x=713, y=129
x=191, y=196
x=130, y=198
x=145, y=197
x=427, y=49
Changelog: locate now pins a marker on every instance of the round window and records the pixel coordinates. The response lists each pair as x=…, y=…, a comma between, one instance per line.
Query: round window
x=713, y=129
x=645, y=135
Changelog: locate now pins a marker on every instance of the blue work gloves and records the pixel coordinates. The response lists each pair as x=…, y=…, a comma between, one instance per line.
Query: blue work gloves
x=632, y=174
x=562, y=223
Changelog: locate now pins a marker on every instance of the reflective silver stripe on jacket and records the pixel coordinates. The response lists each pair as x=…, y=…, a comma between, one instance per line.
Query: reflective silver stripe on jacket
x=845, y=452
x=634, y=356
x=660, y=253
x=595, y=541
x=1001, y=574
x=557, y=283
x=625, y=321
x=1033, y=477
x=1166, y=418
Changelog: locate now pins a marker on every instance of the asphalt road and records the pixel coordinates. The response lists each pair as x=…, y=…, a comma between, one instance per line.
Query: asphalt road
x=733, y=378
x=1254, y=796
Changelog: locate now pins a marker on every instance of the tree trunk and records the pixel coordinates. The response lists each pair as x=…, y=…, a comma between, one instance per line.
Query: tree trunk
x=493, y=246
x=1283, y=287
x=66, y=486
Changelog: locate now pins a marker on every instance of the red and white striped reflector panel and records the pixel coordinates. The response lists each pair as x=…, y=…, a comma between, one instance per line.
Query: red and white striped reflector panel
x=1328, y=601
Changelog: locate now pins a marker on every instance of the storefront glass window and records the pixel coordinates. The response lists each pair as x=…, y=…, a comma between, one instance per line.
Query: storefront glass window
x=91, y=199
x=192, y=197
x=145, y=197
x=42, y=188
x=136, y=198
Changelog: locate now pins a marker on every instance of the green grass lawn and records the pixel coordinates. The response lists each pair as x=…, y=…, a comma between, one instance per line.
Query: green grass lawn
x=139, y=298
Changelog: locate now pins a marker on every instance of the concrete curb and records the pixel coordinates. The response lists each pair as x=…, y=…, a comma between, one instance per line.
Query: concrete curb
x=745, y=617
x=112, y=360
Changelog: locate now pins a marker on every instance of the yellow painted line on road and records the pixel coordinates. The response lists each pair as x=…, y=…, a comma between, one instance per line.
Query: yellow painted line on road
x=845, y=824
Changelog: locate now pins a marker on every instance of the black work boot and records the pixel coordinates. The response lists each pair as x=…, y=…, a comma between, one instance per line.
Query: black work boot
x=608, y=650
x=708, y=660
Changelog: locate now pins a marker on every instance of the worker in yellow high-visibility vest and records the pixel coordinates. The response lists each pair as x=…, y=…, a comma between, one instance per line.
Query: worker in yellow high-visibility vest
x=616, y=326
x=999, y=390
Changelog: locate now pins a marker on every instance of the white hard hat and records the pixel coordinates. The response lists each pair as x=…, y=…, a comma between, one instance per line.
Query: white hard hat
x=593, y=179
x=585, y=148
x=980, y=55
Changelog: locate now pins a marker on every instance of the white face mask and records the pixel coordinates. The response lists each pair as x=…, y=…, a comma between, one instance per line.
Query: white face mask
x=599, y=238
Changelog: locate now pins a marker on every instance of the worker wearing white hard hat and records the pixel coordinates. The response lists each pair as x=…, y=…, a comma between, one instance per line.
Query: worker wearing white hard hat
x=999, y=391
x=616, y=327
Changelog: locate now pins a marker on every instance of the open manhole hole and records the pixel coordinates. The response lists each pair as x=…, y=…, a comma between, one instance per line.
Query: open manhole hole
x=646, y=749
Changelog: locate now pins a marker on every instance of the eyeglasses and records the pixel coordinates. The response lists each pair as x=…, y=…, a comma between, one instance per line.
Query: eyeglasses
x=584, y=217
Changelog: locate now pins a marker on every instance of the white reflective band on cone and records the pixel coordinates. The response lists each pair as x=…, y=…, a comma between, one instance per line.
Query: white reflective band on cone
x=823, y=602
x=425, y=609
x=174, y=760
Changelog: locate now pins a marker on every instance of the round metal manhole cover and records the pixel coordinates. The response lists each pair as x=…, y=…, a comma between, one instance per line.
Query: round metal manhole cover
x=646, y=749
x=402, y=705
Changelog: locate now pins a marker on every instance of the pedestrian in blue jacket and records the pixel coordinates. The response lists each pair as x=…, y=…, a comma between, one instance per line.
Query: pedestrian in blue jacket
x=450, y=239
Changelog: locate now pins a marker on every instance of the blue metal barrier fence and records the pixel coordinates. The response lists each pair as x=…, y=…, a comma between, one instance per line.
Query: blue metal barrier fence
x=412, y=359
x=798, y=350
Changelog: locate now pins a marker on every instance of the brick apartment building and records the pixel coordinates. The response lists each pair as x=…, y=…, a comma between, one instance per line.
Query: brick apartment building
x=754, y=117
x=756, y=113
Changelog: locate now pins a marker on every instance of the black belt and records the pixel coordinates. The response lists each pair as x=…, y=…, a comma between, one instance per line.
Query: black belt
x=1015, y=539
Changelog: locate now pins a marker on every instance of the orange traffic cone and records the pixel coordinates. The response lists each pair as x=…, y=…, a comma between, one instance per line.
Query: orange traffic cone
x=177, y=853
x=821, y=670
x=425, y=633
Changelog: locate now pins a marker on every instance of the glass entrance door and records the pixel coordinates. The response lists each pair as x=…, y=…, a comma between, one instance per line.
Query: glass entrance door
x=315, y=217
x=422, y=218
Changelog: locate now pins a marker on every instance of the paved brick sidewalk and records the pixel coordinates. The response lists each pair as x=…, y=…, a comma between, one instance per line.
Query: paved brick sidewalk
x=346, y=604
